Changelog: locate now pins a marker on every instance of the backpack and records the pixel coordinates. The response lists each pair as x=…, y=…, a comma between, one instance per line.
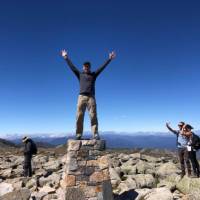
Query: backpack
x=33, y=148
x=196, y=141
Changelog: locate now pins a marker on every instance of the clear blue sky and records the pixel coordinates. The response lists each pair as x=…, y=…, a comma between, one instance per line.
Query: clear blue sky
x=154, y=78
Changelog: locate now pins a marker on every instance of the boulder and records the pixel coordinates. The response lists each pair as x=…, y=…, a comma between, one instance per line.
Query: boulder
x=5, y=188
x=38, y=195
x=114, y=175
x=53, y=179
x=124, y=157
x=144, y=180
x=159, y=194
x=141, y=193
x=47, y=190
x=31, y=183
x=52, y=165
x=122, y=187
x=23, y=194
x=150, y=159
x=189, y=186
x=167, y=169
x=135, y=156
x=6, y=173
x=143, y=167
x=50, y=197
x=128, y=169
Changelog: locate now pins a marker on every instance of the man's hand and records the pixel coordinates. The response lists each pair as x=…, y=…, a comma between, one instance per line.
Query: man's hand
x=167, y=124
x=112, y=55
x=64, y=54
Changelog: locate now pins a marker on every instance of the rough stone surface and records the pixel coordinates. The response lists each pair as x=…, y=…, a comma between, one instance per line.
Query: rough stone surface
x=47, y=189
x=144, y=180
x=74, y=193
x=23, y=194
x=189, y=186
x=87, y=171
x=158, y=194
x=167, y=169
x=144, y=175
x=5, y=188
x=70, y=180
x=74, y=145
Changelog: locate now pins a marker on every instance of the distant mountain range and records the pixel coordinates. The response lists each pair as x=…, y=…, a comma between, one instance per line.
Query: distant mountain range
x=5, y=143
x=161, y=140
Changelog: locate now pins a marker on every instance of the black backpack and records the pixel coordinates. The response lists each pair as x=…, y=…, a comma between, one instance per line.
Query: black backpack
x=33, y=148
x=196, y=141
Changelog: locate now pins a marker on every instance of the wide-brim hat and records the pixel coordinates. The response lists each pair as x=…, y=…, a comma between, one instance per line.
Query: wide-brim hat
x=188, y=126
x=24, y=139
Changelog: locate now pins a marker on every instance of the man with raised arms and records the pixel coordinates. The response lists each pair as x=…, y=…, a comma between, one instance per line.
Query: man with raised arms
x=86, y=98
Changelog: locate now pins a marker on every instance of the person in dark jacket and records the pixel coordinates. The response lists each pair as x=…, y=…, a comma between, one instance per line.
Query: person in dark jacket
x=193, y=140
x=182, y=142
x=27, y=156
x=86, y=97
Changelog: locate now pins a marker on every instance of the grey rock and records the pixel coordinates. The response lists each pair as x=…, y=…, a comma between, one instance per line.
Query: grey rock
x=74, y=145
x=74, y=193
x=100, y=145
x=158, y=194
x=31, y=183
x=144, y=167
x=23, y=194
x=72, y=164
x=114, y=162
x=189, y=186
x=150, y=159
x=124, y=157
x=5, y=188
x=6, y=173
x=53, y=179
x=50, y=197
x=47, y=190
x=38, y=195
x=135, y=156
x=18, y=185
x=141, y=193
x=144, y=180
x=128, y=169
x=53, y=165
x=114, y=175
x=167, y=169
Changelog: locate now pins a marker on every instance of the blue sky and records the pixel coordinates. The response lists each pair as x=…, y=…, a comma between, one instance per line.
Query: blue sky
x=154, y=78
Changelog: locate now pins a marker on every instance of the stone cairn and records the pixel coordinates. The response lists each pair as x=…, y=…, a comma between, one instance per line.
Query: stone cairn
x=86, y=175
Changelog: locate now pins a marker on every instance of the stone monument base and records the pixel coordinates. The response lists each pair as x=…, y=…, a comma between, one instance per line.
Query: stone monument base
x=86, y=175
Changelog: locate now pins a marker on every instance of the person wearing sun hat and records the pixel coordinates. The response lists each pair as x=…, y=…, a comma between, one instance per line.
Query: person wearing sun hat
x=182, y=141
x=27, y=156
x=24, y=139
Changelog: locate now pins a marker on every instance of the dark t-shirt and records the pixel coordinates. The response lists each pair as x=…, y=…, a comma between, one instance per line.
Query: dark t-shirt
x=87, y=80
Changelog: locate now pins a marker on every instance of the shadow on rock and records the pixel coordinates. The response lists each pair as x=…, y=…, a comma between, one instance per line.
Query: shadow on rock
x=129, y=195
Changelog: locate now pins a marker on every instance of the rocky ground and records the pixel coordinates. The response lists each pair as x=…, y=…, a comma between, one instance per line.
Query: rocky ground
x=137, y=174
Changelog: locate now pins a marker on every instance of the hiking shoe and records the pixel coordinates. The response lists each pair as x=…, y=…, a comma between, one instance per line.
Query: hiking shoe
x=182, y=175
x=78, y=137
x=96, y=136
x=194, y=176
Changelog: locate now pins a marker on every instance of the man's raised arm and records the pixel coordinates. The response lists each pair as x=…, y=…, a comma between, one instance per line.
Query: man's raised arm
x=71, y=65
x=112, y=55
